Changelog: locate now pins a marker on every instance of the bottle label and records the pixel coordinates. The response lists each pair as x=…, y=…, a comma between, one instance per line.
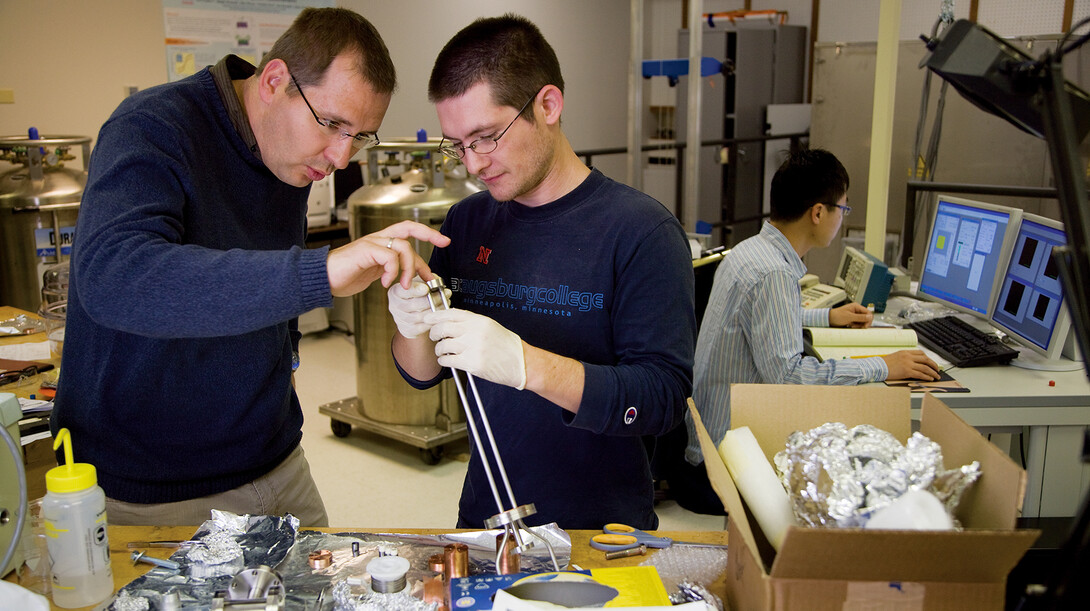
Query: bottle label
x=79, y=556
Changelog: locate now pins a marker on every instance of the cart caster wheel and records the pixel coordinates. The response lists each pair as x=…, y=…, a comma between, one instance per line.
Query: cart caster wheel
x=431, y=456
x=340, y=429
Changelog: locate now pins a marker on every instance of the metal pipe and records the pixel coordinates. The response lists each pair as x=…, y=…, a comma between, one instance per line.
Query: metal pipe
x=690, y=209
x=635, y=95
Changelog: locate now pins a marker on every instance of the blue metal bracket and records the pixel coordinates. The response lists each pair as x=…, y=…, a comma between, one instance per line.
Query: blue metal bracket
x=673, y=68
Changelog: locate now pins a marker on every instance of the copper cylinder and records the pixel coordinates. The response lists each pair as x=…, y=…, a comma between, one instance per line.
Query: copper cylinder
x=456, y=560
x=320, y=559
x=435, y=563
x=435, y=591
x=507, y=555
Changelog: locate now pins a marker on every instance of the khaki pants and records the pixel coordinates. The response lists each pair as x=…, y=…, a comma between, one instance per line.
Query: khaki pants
x=289, y=488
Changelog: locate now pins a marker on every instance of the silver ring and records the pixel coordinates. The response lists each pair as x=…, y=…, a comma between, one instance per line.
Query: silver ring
x=390, y=243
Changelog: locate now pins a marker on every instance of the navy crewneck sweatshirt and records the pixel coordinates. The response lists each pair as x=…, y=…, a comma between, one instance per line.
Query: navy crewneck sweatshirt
x=188, y=266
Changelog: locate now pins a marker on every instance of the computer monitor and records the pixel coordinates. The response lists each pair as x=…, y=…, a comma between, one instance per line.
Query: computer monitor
x=967, y=250
x=1031, y=307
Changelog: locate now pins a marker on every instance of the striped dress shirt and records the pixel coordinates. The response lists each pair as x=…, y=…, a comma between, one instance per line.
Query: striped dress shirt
x=752, y=333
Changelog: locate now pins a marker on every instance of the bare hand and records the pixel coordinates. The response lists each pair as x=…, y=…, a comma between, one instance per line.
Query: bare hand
x=385, y=255
x=852, y=315
x=911, y=364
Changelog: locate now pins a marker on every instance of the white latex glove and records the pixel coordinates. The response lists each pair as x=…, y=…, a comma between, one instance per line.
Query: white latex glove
x=479, y=346
x=408, y=307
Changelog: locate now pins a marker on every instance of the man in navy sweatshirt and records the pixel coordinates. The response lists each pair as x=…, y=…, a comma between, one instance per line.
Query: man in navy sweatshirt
x=189, y=270
x=572, y=295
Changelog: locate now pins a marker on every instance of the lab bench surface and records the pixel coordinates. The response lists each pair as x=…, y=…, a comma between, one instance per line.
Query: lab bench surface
x=581, y=554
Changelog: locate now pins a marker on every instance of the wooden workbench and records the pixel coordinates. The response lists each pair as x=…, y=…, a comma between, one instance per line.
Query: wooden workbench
x=32, y=387
x=125, y=572
x=581, y=554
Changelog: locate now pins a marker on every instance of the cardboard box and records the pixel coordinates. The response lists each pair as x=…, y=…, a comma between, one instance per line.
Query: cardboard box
x=820, y=568
x=40, y=458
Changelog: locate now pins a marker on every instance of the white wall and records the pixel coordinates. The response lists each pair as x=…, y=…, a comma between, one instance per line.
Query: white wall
x=68, y=60
x=590, y=40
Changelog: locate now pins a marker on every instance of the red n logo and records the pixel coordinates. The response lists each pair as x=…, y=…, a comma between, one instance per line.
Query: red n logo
x=482, y=256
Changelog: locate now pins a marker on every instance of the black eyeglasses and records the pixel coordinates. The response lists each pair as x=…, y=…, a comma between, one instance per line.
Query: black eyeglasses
x=361, y=140
x=18, y=377
x=481, y=146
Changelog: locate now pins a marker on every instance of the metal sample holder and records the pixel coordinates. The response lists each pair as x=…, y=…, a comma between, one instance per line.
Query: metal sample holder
x=511, y=514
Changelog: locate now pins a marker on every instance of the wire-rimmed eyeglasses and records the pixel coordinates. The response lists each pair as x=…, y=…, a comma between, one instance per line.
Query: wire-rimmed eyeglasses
x=18, y=377
x=484, y=145
x=360, y=141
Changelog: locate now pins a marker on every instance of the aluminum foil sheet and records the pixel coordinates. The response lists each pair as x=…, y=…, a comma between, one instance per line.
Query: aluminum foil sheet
x=275, y=542
x=21, y=325
x=838, y=477
x=264, y=540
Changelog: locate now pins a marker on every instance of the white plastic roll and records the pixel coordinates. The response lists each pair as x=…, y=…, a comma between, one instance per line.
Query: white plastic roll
x=757, y=483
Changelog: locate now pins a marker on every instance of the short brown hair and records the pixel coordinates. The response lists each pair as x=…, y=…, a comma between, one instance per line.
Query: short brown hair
x=318, y=35
x=509, y=53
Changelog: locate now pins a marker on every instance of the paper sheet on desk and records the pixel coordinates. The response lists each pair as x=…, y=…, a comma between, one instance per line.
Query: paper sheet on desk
x=945, y=383
x=931, y=354
x=30, y=351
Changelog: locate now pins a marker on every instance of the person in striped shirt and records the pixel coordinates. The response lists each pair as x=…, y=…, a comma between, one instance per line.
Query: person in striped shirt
x=752, y=327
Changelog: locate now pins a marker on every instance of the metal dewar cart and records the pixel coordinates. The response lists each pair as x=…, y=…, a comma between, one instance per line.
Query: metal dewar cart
x=385, y=403
x=39, y=203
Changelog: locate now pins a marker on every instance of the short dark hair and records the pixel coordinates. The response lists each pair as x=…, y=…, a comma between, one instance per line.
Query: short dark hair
x=318, y=35
x=509, y=53
x=805, y=178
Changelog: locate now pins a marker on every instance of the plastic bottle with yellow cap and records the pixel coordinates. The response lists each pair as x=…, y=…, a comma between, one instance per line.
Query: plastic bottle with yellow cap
x=74, y=512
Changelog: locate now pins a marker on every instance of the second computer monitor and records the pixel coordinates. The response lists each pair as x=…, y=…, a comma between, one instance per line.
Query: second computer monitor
x=967, y=251
x=1030, y=304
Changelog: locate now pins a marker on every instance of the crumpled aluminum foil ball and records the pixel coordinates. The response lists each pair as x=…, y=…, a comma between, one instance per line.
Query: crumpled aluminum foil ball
x=838, y=477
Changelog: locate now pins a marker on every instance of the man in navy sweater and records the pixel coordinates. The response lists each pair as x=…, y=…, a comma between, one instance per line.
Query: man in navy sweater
x=572, y=295
x=189, y=270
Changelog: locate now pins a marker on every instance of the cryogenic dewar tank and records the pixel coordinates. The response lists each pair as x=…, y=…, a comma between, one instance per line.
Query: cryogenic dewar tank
x=39, y=202
x=385, y=403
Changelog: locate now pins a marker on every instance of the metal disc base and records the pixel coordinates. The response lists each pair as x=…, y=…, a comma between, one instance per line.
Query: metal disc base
x=511, y=516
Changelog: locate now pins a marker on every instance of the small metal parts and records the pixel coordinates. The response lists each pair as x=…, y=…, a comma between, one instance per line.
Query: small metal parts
x=159, y=562
x=388, y=574
x=320, y=559
x=625, y=553
x=171, y=601
x=508, y=558
x=435, y=592
x=456, y=560
x=167, y=544
x=435, y=563
x=259, y=588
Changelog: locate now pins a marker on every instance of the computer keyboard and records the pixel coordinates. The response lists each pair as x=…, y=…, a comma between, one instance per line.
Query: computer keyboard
x=961, y=343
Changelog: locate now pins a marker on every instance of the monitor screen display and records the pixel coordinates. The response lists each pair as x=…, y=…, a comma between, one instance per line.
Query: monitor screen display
x=1030, y=303
x=967, y=250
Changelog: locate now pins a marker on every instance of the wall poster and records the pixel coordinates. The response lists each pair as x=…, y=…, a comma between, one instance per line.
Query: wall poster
x=200, y=32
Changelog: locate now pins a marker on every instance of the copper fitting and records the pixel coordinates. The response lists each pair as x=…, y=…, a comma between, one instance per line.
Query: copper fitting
x=625, y=553
x=320, y=559
x=456, y=560
x=435, y=563
x=507, y=554
x=435, y=591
